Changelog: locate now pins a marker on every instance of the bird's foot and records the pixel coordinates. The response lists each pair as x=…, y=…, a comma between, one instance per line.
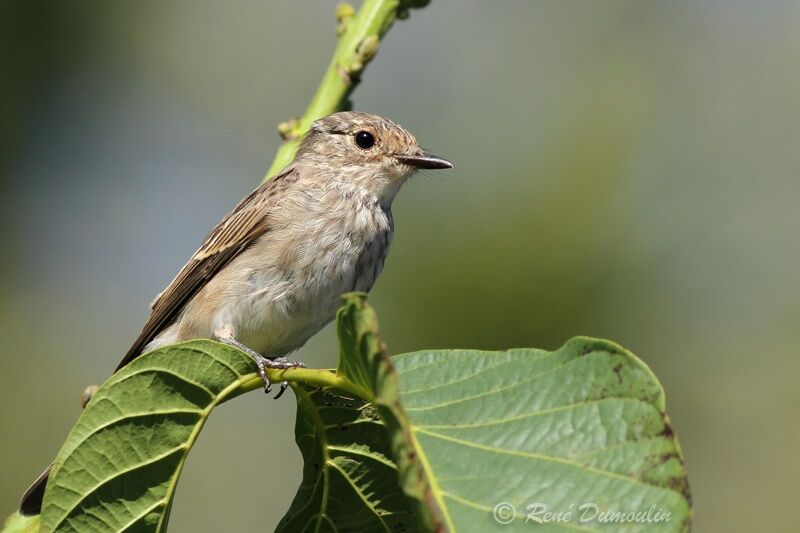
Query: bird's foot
x=263, y=363
x=279, y=363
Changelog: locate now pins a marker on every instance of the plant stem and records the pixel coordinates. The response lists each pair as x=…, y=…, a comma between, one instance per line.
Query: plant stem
x=311, y=376
x=360, y=35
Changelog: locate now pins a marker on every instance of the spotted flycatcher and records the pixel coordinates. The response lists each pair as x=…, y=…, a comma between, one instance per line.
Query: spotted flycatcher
x=272, y=272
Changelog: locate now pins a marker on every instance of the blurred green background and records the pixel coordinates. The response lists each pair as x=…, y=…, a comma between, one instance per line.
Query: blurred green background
x=625, y=169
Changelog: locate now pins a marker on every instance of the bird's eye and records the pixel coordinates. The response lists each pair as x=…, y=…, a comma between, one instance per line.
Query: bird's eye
x=365, y=140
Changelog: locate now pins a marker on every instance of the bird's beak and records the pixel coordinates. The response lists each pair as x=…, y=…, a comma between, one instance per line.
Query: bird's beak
x=424, y=160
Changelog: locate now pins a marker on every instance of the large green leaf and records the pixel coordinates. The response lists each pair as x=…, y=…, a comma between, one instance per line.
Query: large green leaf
x=510, y=436
x=120, y=463
x=487, y=440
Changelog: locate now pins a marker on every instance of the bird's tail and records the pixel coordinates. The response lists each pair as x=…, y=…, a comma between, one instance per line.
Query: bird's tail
x=31, y=503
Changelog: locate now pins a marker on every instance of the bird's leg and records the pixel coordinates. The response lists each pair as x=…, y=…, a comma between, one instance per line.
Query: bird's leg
x=262, y=363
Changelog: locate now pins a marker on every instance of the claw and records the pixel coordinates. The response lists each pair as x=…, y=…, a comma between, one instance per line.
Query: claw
x=284, y=386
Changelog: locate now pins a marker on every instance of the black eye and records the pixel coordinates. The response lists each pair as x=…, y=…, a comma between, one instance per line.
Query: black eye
x=365, y=140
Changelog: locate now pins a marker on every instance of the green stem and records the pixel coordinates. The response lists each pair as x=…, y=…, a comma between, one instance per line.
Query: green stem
x=310, y=376
x=359, y=38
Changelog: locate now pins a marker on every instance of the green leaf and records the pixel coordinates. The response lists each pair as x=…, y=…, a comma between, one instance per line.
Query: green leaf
x=120, y=464
x=466, y=431
x=350, y=481
x=350, y=447
x=362, y=355
x=581, y=426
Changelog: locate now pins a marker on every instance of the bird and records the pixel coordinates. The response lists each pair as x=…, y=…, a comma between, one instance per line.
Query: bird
x=271, y=274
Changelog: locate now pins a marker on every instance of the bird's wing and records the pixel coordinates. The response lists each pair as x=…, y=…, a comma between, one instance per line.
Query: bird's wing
x=238, y=230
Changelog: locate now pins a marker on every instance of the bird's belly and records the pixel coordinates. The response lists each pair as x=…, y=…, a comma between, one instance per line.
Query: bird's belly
x=281, y=309
x=272, y=329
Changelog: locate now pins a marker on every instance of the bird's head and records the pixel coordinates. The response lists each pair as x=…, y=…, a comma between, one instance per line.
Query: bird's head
x=369, y=150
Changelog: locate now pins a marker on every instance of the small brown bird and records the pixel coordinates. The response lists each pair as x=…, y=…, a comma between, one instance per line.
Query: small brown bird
x=272, y=272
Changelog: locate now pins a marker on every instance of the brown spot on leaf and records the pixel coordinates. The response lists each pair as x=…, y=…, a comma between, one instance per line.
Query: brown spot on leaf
x=681, y=485
x=666, y=432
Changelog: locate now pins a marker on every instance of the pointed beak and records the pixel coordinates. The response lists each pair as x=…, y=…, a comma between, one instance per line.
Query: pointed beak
x=424, y=160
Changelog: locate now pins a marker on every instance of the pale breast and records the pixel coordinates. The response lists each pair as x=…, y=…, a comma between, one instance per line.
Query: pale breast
x=290, y=282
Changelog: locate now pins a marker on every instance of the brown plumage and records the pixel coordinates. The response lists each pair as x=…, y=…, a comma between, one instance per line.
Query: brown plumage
x=270, y=274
